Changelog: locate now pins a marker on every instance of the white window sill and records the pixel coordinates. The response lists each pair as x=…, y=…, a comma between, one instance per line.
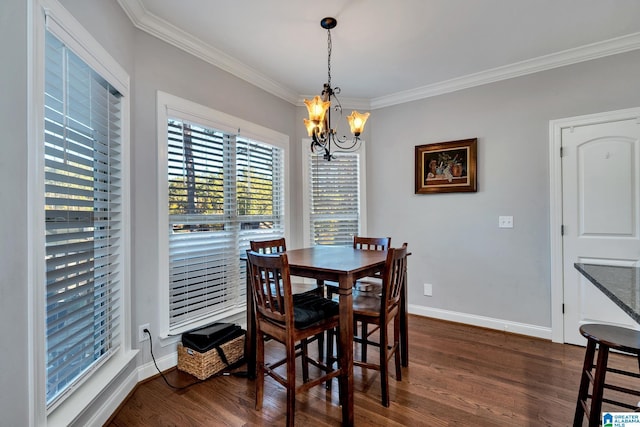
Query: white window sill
x=81, y=398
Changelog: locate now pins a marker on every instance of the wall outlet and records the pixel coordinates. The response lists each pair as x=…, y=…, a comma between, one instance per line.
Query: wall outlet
x=505, y=221
x=428, y=289
x=142, y=335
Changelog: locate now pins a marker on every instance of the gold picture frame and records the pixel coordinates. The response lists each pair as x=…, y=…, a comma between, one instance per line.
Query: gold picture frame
x=446, y=167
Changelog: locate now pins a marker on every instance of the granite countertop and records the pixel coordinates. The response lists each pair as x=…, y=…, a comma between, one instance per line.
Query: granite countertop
x=621, y=284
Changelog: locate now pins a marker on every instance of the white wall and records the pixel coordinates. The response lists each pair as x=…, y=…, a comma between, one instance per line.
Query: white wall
x=476, y=268
x=14, y=315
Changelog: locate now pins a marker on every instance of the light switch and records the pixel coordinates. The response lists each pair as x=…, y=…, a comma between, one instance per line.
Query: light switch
x=428, y=289
x=505, y=221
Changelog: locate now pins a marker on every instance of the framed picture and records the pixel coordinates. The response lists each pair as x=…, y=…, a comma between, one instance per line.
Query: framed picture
x=446, y=167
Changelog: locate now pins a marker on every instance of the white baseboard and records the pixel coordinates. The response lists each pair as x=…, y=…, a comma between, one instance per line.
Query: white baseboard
x=149, y=369
x=485, y=322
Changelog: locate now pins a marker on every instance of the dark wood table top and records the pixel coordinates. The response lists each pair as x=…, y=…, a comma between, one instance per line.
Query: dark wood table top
x=620, y=284
x=336, y=259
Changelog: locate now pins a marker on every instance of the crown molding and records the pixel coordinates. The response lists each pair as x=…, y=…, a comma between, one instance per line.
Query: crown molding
x=158, y=27
x=555, y=60
x=146, y=21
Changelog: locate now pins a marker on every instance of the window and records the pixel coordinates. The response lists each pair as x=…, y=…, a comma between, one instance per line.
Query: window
x=334, y=198
x=83, y=219
x=223, y=190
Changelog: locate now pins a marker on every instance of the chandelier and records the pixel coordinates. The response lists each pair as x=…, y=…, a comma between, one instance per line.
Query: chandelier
x=323, y=135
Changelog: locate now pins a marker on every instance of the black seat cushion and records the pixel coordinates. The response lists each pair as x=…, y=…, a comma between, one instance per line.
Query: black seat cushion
x=310, y=308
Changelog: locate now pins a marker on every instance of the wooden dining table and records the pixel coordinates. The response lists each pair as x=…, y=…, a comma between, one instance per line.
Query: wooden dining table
x=343, y=265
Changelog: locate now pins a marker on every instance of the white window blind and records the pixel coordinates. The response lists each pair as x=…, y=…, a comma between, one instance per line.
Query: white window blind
x=334, y=198
x=83, y=219
x=224, y=190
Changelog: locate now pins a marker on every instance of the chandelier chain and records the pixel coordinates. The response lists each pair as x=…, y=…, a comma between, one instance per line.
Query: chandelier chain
x=329, y=57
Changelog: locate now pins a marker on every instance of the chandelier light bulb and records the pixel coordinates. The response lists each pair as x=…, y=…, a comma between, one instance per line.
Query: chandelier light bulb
x=317, y=108
x=310, y=125
x=356, y=122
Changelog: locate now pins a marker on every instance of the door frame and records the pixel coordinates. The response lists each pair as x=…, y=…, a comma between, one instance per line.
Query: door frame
x=555, y=204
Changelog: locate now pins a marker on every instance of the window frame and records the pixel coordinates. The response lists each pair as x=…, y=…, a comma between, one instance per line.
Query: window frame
x=306, y=190
x=51, y=15
x=171, y=106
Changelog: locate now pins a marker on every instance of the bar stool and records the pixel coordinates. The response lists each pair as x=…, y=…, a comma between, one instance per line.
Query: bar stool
x=605, y=337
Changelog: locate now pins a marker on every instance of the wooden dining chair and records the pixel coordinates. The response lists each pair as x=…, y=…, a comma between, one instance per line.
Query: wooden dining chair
x=381, y=309
x=299, y=289
x=367, y=283
x=283, y=319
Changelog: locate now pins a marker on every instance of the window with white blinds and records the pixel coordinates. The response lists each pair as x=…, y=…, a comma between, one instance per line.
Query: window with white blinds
x=83, y=218
x=334, y=198
x=223, y=191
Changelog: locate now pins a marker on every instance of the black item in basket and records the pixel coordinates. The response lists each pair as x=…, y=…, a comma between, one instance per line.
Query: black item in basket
x=206, y=351
x=208, y=337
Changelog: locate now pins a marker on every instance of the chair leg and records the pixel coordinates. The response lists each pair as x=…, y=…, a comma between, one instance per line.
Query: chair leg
x=583, y=391
x=320, y=339
x=598, y=386
x=304, y=347
x=329, y=357
x=291, y=383
x=384, y=359
x=259, y=370
x=364, y=331
x=396, y=347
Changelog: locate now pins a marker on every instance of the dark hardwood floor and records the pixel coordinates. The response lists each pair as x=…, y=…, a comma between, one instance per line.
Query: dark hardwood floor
x=458, y=375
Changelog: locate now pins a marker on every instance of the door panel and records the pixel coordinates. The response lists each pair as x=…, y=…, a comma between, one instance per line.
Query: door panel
x=605, y=170
x=600, y=208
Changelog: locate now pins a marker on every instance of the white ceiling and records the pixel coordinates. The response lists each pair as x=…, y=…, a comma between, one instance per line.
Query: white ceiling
x=389, y=51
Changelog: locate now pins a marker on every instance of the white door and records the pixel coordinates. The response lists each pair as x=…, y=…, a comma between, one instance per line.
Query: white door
x=600, y=215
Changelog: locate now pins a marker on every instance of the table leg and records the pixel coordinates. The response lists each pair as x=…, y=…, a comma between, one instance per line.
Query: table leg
x=250, y=338
x=346, y=349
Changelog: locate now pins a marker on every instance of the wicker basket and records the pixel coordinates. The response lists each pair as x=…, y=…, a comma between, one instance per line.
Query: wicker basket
x=204, y=365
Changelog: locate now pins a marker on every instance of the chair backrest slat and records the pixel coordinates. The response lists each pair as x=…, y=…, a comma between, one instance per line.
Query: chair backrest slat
x=371, y=243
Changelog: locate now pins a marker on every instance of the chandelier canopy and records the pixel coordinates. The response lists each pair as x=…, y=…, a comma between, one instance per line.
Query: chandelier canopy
x=323, y=135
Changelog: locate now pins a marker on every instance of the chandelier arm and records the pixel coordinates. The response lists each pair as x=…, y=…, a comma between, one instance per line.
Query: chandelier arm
x=338, y=106
x=316, y=145
x=346, y=145
x=340, y=140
